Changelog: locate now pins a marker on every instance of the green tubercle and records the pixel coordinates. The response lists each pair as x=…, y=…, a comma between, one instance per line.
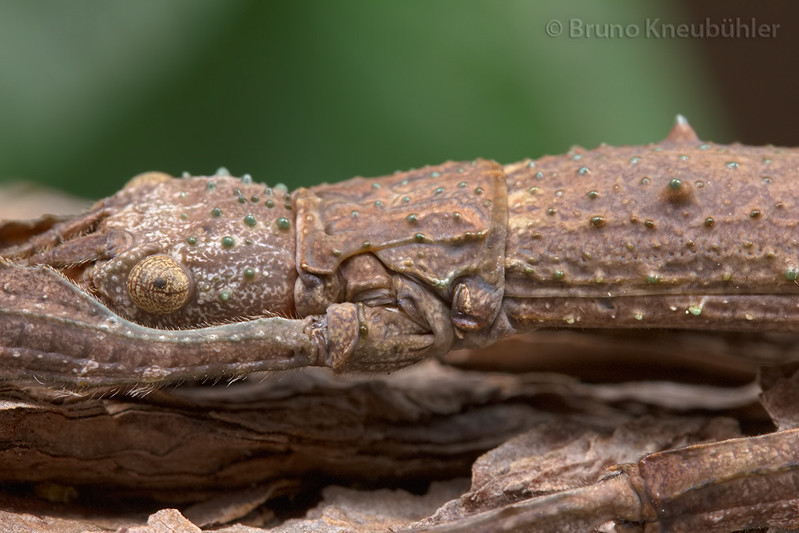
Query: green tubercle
x=597, y=221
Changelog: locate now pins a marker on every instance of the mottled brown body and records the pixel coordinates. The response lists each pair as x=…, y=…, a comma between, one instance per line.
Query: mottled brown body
x=377, y=273
x=679, y=234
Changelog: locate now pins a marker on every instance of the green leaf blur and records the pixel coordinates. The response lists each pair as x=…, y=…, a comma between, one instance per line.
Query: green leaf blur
x=302, y=92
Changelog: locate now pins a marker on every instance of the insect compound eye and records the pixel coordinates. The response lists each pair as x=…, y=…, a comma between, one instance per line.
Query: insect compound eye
x=160, y=285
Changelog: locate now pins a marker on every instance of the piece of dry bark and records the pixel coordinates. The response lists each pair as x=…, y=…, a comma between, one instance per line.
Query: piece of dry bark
x=22, y=200
x=219, y=452
x=780, y=396
x=559, y=455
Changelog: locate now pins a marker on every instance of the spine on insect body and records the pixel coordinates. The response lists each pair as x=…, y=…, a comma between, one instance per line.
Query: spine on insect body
x=679, y=234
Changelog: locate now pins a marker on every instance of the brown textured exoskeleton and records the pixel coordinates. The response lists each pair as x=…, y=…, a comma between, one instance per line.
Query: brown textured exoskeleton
x=217, y=276
x=375, y=274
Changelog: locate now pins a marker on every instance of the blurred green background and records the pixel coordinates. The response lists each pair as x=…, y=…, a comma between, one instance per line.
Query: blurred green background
x=302, y=92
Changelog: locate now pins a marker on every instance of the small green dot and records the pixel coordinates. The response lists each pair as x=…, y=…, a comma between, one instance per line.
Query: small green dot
x=726, y=276
x=254, y=199
x=645, y=180
x=270, y=204
x=228, y=241
x=249, y=273
x=732, y=164
x=283, y=223
x=583, y=171
x=754, y=213
x=183, y=195
x=248, y=241
x=558, y=275
x=224, y=296
x=191, y=240
x=456, y=215
x=539, y=175
x=210, y=186
x=649, y=223
x=634, y=160
x=419, y=237
x=435, y=174
x=246, y=179
x=709, y=222
x=336, y=252
x=593, y=194
x=412, y=218
x=695, y=310
x=792, y=274
x=675, y=184
x=478, y=190
x=184, y=216
x=366, y=244
x=551, y=211
x=461, y=185
x=438, y=190
x=597, y=221
x=242, y=200
x=406, y=199
x=216, y=212
x=378, y=203
x=376, y=185
x=653, y=279
x=250, y=220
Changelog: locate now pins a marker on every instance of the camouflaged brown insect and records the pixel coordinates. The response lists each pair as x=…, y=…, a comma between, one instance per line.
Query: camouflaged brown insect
x=376, y=274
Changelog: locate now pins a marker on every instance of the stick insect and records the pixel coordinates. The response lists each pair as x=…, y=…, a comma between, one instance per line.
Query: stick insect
x=214, y=276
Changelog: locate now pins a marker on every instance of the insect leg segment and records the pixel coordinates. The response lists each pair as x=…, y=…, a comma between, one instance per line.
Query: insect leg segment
x=51, y=330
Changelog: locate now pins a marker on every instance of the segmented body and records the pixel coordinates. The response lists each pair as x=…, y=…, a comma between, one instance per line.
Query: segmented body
x=218, y=275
